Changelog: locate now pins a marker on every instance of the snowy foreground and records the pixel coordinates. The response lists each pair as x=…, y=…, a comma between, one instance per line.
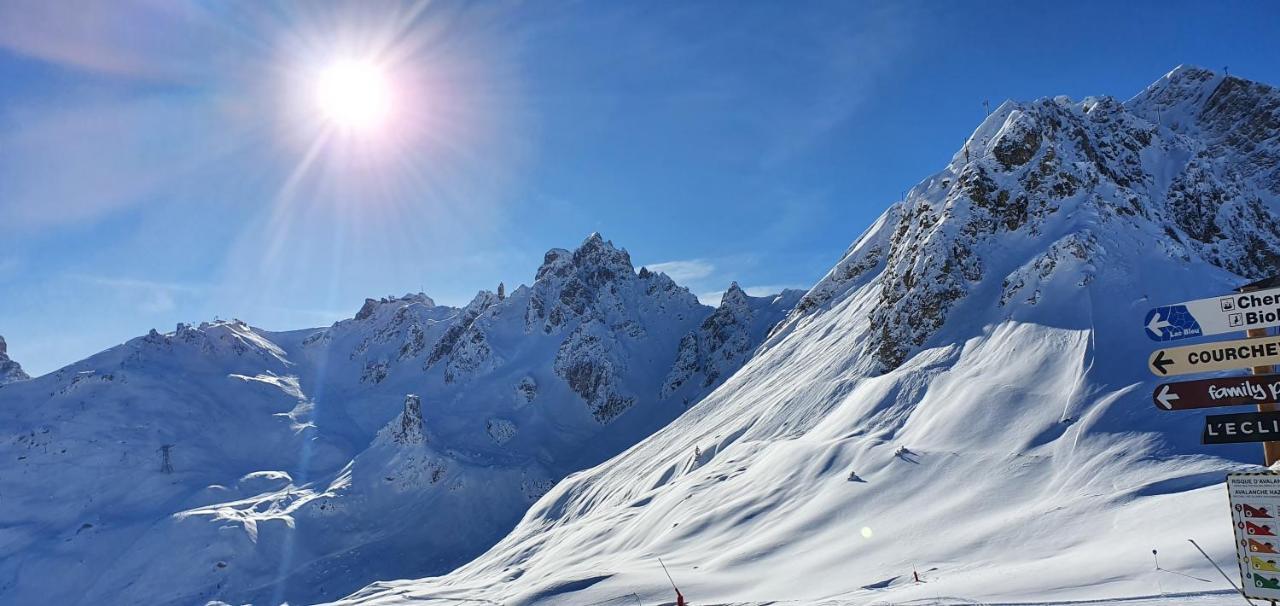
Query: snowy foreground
x=965, y=394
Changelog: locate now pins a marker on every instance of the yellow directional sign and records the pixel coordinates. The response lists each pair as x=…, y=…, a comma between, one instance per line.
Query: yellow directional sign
x=1223, y=355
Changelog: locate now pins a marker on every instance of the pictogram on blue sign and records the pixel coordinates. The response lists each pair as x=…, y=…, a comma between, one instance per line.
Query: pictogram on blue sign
x=1171, y=323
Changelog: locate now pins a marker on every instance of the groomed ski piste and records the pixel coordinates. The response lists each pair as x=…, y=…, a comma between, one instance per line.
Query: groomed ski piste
x=964, y=395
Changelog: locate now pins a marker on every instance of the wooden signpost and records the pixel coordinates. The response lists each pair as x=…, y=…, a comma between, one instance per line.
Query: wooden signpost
x=1253, y=308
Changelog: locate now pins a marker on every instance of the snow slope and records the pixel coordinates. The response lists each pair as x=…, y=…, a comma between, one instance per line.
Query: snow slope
x=10, y=370
x=225, y=462
x=965, y=394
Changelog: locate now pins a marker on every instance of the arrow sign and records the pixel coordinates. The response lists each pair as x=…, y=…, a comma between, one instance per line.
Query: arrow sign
x=1161, y=363
x=1228, y=313
x=1209, y=357
x=1243, y=427
x=1226, y=391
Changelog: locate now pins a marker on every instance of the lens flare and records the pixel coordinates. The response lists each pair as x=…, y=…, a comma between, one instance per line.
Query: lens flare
x=354, y=96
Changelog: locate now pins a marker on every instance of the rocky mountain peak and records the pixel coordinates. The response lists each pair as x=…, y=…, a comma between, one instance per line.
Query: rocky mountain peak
x=591, y=283
x=596, y=261
x=371, y=306
x=1188, y=166
x=733, y=296
x=10, y=371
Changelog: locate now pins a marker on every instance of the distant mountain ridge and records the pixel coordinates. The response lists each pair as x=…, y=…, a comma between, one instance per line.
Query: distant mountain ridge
x=224, y=462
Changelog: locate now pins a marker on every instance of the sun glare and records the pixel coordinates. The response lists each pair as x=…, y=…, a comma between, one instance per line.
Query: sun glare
x=354, y=96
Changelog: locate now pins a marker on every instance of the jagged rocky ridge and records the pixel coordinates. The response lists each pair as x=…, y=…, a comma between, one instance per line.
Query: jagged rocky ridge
x=10, y=370
x=963, y=395
x=1195, y=157
x=727, y=338
x=232, y=463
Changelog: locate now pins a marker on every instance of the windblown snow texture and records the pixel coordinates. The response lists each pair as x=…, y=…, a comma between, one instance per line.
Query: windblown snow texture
x=10, y=370
x=224, y=462
x=977, y=360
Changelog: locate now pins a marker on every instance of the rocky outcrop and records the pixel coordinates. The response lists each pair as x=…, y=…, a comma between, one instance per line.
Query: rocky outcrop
x=726, y=338
x=409, y=427
x=465, y=344
x=10, y=371
x=590, y=361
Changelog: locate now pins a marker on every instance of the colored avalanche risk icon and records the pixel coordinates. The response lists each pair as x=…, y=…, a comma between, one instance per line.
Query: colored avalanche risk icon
x=1260, y=546
x=1171, y=323
x=1263, y=565
x=1263, y=582
x=1254, y=512
x=1258, y=530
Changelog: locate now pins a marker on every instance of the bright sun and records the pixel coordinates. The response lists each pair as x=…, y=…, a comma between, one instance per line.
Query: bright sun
x=354, y=96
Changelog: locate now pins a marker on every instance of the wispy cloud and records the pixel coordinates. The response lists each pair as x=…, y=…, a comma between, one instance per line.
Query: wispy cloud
x=129, y=38
x=148, y=295
x=686, y=271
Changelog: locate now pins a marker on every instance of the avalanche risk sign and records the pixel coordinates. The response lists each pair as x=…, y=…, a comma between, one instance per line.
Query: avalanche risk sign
x=1229, y=313
x=1255, y=515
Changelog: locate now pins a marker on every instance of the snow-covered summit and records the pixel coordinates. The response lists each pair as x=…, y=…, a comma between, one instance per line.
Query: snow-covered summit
x=964, y=395
x=1188, y=166
x=10, y=370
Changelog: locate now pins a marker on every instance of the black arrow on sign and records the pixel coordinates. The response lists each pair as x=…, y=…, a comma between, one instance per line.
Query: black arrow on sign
x=1161, y=362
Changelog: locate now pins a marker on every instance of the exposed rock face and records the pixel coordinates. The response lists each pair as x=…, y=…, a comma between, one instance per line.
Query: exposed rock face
x=465, y=343
x=727, y=338
x=501, y=430
x=10, y=371
x=591, y=361
x=409, y=428
x=1194, y=157
x=588, y=283
x=526, y=391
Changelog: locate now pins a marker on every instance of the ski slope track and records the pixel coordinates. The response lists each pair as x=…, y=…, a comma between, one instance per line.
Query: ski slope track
x=965, y=394
x=222, y=462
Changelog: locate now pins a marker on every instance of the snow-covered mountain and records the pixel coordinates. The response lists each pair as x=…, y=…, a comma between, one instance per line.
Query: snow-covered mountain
x=965, y=394
x=225, y=462
x=10, y=370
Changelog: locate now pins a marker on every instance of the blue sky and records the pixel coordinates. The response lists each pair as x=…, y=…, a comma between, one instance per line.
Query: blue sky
x=157, y=167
